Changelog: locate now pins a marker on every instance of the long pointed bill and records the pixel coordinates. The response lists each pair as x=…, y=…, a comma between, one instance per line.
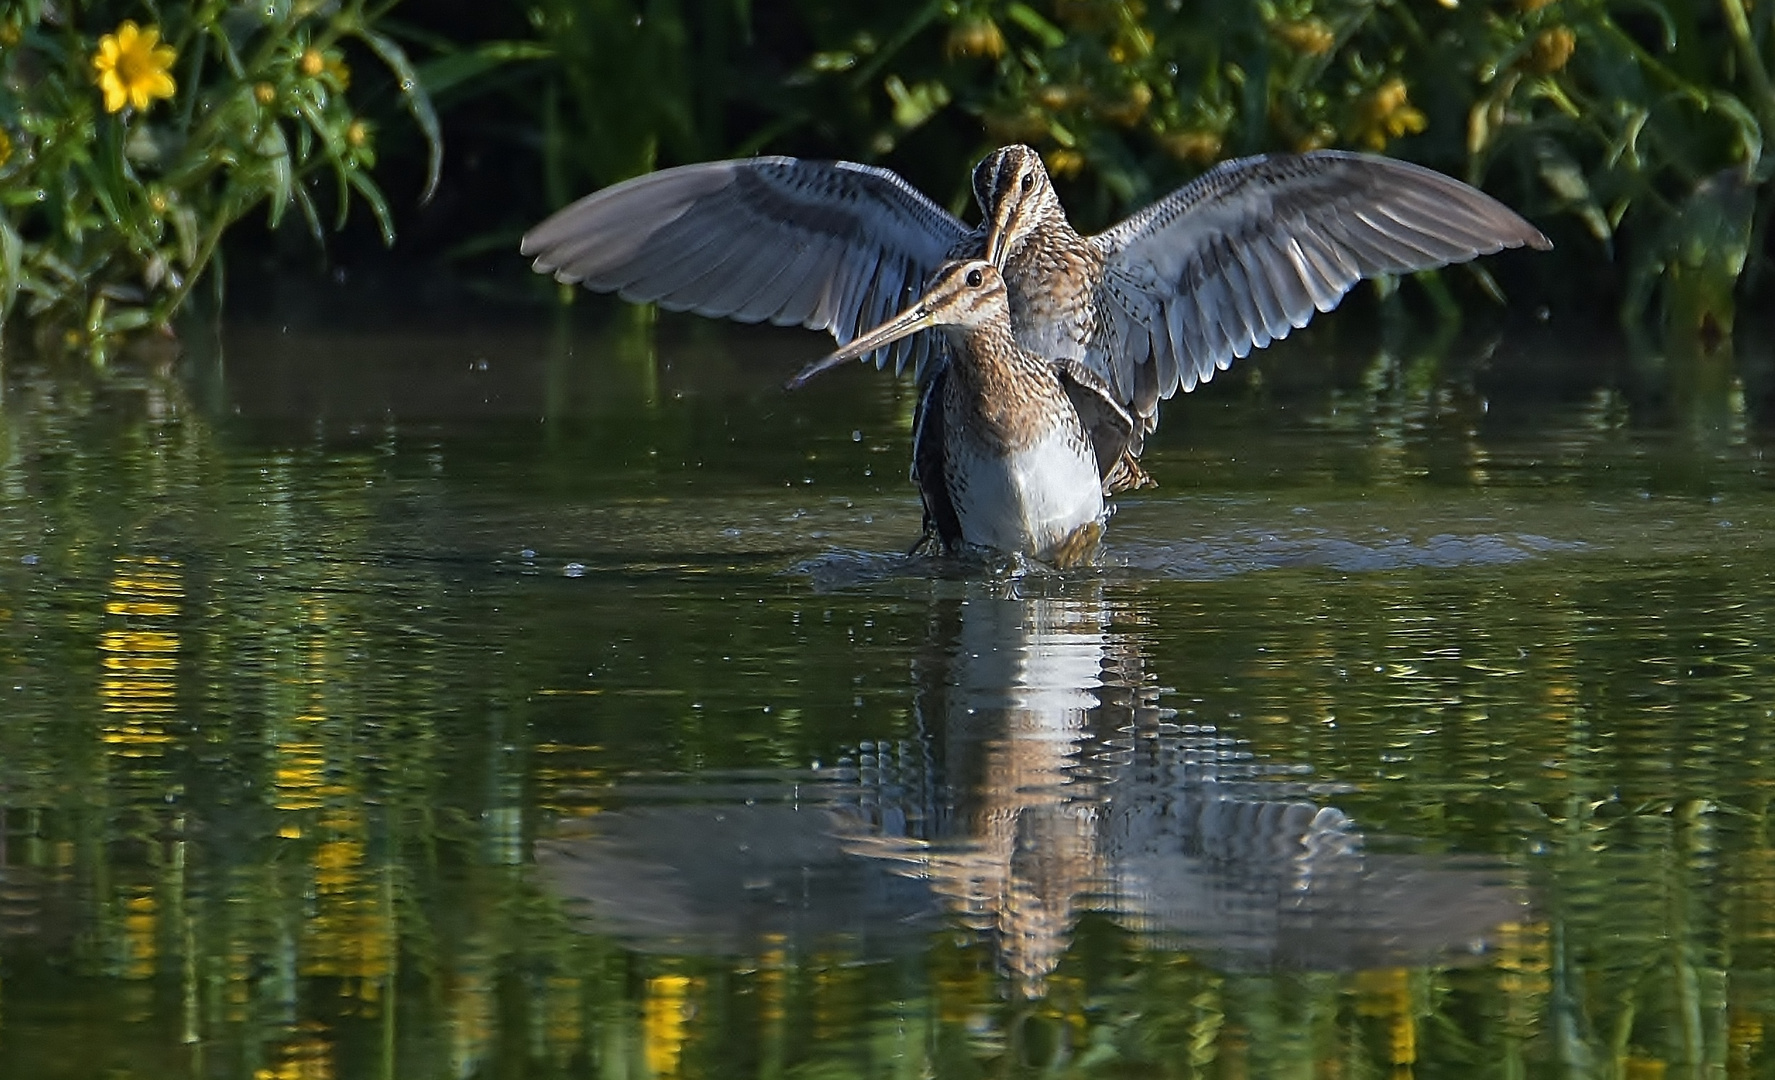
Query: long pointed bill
x=995, y=247
x=910, y=321
x=998, y=233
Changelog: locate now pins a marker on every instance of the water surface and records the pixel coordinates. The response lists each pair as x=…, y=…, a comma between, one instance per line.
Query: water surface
x=500, y=700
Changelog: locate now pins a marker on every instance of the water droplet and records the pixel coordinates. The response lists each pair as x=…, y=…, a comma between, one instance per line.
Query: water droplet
x=574, y=569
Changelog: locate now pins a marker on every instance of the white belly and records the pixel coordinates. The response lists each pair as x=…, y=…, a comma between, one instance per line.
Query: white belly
x=1030, y=502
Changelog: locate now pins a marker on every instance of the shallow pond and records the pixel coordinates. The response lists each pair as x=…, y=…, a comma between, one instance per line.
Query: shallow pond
x=522, y=700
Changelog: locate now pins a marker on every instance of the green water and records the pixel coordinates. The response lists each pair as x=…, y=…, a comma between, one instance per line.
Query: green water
x=515, y=700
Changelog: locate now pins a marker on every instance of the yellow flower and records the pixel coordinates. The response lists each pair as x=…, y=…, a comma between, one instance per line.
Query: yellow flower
x=1197, y=147
x=131, y=67
x=975, y=35
x=5, y=148
x=340, y=74
x=1024, y=125
x=357, y=134
x=1065, y=162
x=1128, y=111
x=264, y=93
x=312, y=62
x=1388, y=114
x=1309, y=37
x=1319, y=138
x=1551, y=49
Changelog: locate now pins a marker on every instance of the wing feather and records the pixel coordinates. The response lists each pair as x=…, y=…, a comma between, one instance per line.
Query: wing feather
x=1404, y=246
x=1179, y=336
x=850, y=293
x=1297, y=301
x=1253, y=248
x=815, y=285
x=662, y=269
x=827, y=245
x=702, y=278
x=1247, y=327
x=1272, y=321
x=741, y=279
x=790, y=280
x=1225, y=310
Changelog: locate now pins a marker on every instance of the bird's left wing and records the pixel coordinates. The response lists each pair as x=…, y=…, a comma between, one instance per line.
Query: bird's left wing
x=829, y=245
x=1253, y=247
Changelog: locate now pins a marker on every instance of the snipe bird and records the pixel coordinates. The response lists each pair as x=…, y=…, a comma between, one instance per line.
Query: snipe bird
x=1000, y=455
x=1237, y=258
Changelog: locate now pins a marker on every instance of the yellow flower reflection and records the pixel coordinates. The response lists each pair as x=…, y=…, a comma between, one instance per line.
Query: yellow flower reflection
x=665, y=1019
x=132, y=67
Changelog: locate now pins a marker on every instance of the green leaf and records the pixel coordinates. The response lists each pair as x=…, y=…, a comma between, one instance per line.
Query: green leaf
x=185, y=229
x=310, y=214
x=444, y=74
x=332, y=144
x=417, y=100
x=118, y=320
x=1658, y=12
x=106, y=170
x=1750, y=132
x=274, y=149
x=1051, y=36
x=12, y=255
x=378, y=205
x=1565, y=178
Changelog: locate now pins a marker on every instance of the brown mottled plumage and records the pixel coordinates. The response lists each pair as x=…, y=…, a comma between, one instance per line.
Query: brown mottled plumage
x=1000, y=456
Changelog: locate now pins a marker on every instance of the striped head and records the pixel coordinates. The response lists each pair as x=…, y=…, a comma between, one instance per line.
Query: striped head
x=1012, y=187
x=966, y=294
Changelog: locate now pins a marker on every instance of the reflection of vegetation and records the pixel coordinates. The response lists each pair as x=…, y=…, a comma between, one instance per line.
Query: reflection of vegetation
x=277, y=738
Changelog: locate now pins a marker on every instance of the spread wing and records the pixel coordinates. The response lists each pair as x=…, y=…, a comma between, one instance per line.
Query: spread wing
x=826, y=245
x=1252, y=248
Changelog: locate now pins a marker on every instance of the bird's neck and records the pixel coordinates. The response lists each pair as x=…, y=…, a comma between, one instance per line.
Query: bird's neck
x=1000, y=392
x=1051, y=232
x=1051, y=279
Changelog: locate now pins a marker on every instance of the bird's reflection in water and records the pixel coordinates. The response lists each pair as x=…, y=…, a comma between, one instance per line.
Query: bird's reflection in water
x=1044, y=779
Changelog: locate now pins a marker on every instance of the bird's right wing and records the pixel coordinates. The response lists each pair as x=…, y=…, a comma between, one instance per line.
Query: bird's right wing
x=1254, y=247
x=827, y=245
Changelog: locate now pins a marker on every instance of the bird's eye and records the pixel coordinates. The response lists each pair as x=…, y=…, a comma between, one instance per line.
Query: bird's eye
x=1028, y=181
x=975, y=277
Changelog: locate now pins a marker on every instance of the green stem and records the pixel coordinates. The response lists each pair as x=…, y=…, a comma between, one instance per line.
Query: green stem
x=176, y=298
x=1649, y=62
x=867, y=72
x=1738, y=20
